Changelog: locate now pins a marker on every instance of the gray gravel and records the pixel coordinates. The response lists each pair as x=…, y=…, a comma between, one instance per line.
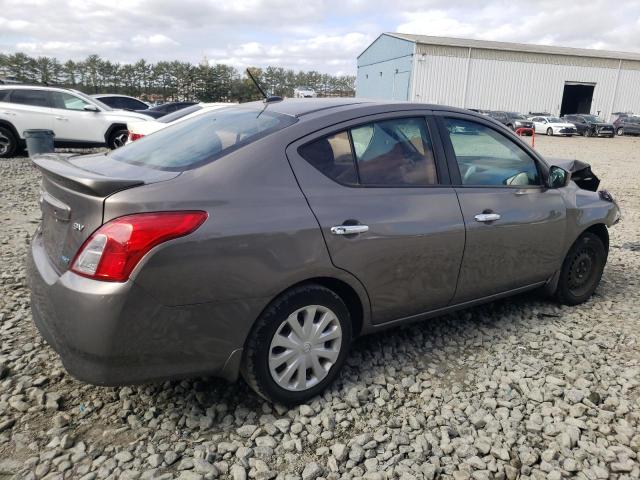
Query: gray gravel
x=520, y=388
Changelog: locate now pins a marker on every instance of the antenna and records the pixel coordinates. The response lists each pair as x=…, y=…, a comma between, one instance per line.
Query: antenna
x=267, y=98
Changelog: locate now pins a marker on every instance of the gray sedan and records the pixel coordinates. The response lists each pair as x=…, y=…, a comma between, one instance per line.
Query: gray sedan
x=261, y=239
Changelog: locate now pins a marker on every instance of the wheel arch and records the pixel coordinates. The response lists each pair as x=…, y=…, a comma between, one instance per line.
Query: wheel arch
x=112, y=128
x=8, y=125
x=601, y=231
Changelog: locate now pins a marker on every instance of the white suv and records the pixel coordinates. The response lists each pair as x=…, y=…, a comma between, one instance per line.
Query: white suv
x=76, y=119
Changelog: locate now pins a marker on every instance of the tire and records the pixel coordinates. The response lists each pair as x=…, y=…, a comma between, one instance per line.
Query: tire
x=620, y=131
x=261, y=366
x=581, y=270
x=118, y=138
x=8, y=143
x=588, y=133
x=550, y=132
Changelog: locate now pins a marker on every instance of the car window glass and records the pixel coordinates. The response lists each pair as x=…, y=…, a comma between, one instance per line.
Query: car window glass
x=67, y=101
x=4, y=95
x=486, y=157
x=332, y=156
x=202, y=139
x=37, y=98
x=179, y=114
x=394, y=153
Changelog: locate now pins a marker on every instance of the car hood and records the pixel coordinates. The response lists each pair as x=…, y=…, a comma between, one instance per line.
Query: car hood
x=580, y=172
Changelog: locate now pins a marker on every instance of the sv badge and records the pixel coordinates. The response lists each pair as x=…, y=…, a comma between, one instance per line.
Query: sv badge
x=78, y=226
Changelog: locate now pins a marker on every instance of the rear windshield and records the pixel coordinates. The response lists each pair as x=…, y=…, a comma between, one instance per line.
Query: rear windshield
x=202, y=139
x=170, y=117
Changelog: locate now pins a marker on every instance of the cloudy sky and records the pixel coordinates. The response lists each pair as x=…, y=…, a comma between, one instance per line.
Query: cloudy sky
x=324, y=35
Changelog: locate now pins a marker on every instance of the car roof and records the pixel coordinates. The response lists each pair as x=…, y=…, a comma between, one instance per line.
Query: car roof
x=303, y=107
x=23, y=86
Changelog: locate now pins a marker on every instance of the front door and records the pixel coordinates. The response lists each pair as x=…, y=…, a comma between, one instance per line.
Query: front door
x=515, y=225
x=72, y=123
x=387, y=218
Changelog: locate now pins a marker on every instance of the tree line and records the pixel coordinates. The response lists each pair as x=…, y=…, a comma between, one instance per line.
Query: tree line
x=168, y=80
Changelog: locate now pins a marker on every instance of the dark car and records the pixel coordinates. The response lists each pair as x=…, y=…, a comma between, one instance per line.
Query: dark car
x=166, y=108
x=627, y=125
x=261, y=239
x=591, y=125
x=122, y=102
x=512, y=120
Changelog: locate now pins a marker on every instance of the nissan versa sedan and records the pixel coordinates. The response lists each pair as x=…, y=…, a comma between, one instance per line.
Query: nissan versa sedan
x=261, y=239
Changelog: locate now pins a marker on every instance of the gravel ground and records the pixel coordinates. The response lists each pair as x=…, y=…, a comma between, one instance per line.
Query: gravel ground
x=521, y=388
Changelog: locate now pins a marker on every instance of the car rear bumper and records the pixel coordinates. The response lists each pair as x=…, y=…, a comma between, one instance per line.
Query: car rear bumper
x=109, y=333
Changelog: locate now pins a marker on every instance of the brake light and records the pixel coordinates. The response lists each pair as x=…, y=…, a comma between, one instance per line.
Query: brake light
x=113, y=250
x=135, y=136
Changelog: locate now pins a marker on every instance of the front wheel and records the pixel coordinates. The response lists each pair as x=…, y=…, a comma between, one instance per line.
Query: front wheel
x=581, y=270
x=620, y=131
x=549, y=131
x=118, y=138
x=298, y=345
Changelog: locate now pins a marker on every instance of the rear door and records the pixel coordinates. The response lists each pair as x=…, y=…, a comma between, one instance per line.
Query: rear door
x=515, y=226
x=30, y=109
x=380, y=191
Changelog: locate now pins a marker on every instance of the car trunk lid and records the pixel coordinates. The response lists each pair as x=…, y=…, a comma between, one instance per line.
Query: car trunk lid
x=72, y=197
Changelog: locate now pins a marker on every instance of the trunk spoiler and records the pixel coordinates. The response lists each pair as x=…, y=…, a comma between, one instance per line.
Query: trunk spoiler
x=60, y=170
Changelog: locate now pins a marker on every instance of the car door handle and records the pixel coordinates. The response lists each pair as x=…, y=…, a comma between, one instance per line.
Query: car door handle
x=349, y=229
x=8, y=113
x=487, y=217
x=64, y=119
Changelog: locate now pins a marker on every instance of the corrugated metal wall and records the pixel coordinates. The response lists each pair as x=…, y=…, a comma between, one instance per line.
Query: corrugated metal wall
x=519, y=81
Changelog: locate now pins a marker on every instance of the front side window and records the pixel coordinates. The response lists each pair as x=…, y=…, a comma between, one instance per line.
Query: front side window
x=488, y=158
x=202, y=139
x=68, y=101
x=36, y=98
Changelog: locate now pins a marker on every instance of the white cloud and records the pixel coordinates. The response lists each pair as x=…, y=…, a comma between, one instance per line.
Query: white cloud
x=324, y=35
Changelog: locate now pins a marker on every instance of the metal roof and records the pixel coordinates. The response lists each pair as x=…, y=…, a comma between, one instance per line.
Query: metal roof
x=514, y=47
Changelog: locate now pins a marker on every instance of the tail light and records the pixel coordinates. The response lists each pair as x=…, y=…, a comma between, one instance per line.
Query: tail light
x=113, y=250
x=135, y=136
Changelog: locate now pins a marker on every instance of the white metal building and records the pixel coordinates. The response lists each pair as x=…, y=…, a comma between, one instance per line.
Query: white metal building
x=499, y=76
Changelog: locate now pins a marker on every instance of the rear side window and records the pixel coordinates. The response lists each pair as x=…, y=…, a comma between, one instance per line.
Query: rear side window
x=202, y=139
x=37, y=98
x=332, y=156
x=4, y=95
x=387, y=153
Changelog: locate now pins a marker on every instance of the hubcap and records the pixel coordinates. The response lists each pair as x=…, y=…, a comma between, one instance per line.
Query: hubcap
x=5, y=143
x=582, y=270
x=305, y=347
x=120, y=140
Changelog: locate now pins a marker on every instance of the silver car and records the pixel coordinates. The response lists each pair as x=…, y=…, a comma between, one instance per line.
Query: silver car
x=261, y=239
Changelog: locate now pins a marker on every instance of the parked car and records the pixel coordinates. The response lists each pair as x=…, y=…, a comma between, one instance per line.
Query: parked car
x=242, y=241
x=76, y=119
x=121, y=102
x=304, y=92
x=591, y=125
x=512, y=120
x=553, y=126
x=167, y=108
x=627, y=125
x=140, y=129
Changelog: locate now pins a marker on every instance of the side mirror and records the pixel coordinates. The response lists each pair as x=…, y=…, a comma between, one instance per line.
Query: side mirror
x=91, y=108
x=558, y=177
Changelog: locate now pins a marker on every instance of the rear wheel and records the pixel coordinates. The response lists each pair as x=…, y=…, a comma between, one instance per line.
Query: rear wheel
x=620, y=131
x=549, y=131
x=298, y=345
x=118, y=138
x=8, y=143
x=581, y=270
